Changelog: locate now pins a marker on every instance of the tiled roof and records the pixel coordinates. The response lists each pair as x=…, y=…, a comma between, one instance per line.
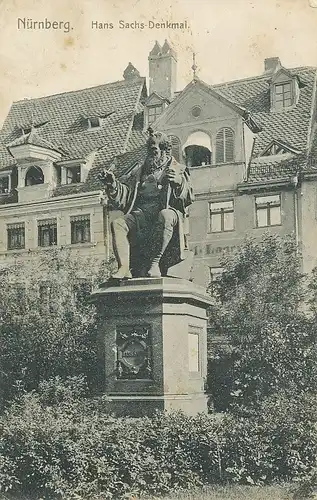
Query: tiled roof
x=35, y=139
x=64, y=120
x=289, y=126
x=270, y=170
x=61, y=122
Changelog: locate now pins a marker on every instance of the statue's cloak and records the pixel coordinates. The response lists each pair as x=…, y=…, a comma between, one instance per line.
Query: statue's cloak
x=177, y=198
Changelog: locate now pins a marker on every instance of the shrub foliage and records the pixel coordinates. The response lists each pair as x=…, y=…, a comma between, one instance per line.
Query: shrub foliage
x=57, y=444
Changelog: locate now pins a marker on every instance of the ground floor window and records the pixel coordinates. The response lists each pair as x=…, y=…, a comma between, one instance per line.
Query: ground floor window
x=16, y=236
x=47, y=232
x=80, y=228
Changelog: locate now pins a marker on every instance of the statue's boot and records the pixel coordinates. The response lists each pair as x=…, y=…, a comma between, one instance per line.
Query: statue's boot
x=121, y=248
x=162, y=237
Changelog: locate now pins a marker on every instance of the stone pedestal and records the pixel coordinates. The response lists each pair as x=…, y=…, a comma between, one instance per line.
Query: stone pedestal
x=153, y=340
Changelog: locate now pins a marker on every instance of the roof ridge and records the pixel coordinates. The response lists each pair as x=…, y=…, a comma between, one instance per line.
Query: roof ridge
x=67, y=92
x=260, y=77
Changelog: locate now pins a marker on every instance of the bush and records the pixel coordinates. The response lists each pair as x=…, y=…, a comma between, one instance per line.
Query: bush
x=59, y=445
x=263, y=314
x=47, y=325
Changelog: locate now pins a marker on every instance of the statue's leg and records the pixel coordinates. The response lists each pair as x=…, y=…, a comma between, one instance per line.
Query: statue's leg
x=121, y=229
x=163, y=233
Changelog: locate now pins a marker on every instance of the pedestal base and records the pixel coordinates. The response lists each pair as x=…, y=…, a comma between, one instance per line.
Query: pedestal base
x=153, y=340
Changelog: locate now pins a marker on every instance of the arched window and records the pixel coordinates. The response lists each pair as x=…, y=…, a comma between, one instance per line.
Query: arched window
x=34, y=176
x=176, y=147
x=225, y=145
x=198, y=149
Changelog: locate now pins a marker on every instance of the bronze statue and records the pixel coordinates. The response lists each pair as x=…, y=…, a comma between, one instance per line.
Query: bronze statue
x=150, y=237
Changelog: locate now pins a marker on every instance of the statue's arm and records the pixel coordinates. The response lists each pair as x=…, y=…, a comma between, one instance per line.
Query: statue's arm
x=116, y=191
x=182, y=186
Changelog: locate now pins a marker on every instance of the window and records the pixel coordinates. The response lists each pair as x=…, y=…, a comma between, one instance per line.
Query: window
x=268, y=210
x=197, y=156
x=225, y=145
x=283, y=95
x=47, y=232
x=4, y=184
x=16, y=236
x=221, y=216
x=80, y=229
x=154, y=113
x=34, y=176
x=94, y=122
x=73, y=175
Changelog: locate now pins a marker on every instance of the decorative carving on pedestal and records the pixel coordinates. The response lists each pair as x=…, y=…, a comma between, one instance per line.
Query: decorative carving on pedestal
x=134, y=352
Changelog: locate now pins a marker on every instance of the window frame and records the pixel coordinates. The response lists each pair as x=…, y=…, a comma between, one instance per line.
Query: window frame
x=51, y=224
x=222, y=213
x=267, y=207
x=73, y=222
x=71, y=169
x=8, y=177
x=11, y=230
x=153, y=107
x=277, y=105
x=97, y=124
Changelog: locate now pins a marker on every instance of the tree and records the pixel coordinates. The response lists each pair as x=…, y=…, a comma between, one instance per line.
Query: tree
x=47, y=325
x=262, y=310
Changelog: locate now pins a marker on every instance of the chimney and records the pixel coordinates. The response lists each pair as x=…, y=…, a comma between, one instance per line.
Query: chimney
x=272, y=64
x=130, y=72
x=162, y=70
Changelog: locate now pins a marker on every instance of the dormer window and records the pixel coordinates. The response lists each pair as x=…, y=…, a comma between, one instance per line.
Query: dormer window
x=94, y=122
x=25, y=130
x=34, y=176
x=5, y=183
x=73, y=175
x=283, y=95
x=154, y=112
x=284, y=89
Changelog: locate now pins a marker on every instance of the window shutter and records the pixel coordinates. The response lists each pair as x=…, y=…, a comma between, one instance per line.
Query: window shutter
x=220, y=153
x=225, y=145
x=176, y=146
x=229, y=144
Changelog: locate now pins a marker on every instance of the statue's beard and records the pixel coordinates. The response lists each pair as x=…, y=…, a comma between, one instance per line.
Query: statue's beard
x=153, y=163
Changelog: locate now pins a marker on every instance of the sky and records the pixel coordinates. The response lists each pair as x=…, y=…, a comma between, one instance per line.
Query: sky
x=231, y=39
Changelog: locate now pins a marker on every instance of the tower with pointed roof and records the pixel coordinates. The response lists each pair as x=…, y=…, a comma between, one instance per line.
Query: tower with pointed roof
x=162, y=70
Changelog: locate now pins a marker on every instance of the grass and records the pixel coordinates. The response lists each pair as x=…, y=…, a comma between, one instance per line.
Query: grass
x=233, y=493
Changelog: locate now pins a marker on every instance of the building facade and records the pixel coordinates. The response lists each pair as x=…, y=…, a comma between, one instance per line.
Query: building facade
x=250, y=146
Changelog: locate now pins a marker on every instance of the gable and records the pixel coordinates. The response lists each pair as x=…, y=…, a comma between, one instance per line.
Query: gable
x=154, y=99
x=277, y=148
x=282, y=76
x=195, y=104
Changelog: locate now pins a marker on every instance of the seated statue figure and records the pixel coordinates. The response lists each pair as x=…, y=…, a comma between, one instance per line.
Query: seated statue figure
x=150, y=237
